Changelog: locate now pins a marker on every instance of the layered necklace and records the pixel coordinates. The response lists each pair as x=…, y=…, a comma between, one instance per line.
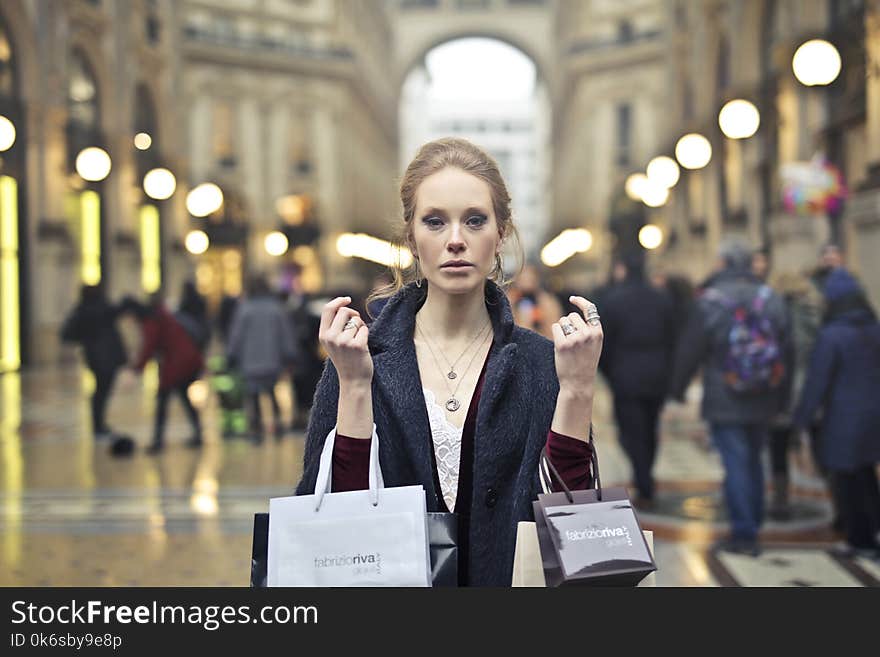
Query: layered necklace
x=452, y=403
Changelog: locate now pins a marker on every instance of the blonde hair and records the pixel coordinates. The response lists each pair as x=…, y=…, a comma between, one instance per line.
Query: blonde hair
x=433, y=157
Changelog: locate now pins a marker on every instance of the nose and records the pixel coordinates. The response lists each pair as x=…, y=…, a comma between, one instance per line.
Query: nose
x=456, y=242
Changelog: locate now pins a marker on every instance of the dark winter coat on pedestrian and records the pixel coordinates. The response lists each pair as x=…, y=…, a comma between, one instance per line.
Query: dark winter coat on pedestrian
x=705, y=342
x=261, y=343
x=513, y=419
x=843, y=382
x=639, y=326
x=180, y=359
x=93, y=325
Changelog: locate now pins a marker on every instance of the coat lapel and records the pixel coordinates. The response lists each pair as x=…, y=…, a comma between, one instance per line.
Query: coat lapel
x=396, y=372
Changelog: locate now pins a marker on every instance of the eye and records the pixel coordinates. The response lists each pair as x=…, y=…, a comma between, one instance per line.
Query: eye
x=477, y=220
x=433, y=222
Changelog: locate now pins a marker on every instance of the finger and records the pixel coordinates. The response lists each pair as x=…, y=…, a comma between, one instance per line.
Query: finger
x=584, y=304
x=577, y=321
x=558, y=335
x=361, y=337
x=338, y=324
x=330, y=310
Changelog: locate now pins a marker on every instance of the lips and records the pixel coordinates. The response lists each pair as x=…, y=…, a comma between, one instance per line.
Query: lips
x=456, y=264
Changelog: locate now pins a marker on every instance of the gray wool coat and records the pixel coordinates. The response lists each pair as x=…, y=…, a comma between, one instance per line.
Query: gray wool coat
x=514, y=416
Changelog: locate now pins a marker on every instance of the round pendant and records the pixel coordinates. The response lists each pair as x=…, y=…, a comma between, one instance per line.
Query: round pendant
x=452, y=404
x=452, y=375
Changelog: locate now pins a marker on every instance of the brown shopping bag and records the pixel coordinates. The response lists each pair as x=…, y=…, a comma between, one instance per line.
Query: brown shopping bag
x=589, y=537
x=528, y=569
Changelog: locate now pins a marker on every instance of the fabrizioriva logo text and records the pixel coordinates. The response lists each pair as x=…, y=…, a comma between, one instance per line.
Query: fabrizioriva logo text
x=371, y=559
x=598, y=532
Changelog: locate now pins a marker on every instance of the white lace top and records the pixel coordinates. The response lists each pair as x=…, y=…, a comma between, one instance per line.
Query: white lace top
x=447, y=448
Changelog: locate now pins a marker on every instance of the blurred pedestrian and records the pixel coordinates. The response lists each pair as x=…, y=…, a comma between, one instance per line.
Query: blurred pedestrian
x=803, y=304
x=636, y=357
x=308, y=359
x=92, y=324
x=180, y=363
x=739, y=335
x=843, y=382
x=225, y=313
x=261, y=346
x=761, y=264
x=681, y=293
x=192, y=313
x=533, y=307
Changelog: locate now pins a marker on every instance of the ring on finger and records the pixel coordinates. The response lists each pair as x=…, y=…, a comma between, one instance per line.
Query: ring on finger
x=568, y=329
x=351, y=323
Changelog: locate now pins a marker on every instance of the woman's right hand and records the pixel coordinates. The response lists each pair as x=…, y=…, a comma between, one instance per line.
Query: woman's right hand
x=347, y=348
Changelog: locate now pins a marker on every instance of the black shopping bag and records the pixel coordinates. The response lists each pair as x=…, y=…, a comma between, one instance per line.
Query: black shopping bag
x=589, y=537
x=442, y=535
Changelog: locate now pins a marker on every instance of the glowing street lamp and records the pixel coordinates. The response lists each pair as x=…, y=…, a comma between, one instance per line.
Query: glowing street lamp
x=739, y=119
x=635, y=184
x=93, y=164
x=197, y=242
x=276, y=243
x=816, y=63
x=7, y=133
x=655, y=195
x=693, y=151
x=142, y=141
x=650, y=236
x=204, y=199
x=663, y=171
x=159, y=184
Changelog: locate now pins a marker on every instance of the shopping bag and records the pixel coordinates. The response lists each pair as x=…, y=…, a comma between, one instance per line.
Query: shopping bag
x=528, y=567
x=374, y=537
x=442, y=541
x=589, y=537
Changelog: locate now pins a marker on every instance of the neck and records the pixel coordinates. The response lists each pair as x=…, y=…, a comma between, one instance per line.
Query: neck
x=448, y=317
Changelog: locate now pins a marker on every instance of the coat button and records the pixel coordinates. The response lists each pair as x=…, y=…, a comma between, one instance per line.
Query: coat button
x=491, y=497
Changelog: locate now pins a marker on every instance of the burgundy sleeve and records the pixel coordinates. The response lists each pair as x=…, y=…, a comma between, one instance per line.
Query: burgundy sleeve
x=571, y=458
x=351, y=463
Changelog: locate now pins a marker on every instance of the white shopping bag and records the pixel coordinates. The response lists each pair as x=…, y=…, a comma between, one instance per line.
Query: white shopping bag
x=375, y=537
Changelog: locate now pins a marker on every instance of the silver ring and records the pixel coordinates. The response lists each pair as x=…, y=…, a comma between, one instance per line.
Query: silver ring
x=568, y=329
x=351, y=323
x=593, y=320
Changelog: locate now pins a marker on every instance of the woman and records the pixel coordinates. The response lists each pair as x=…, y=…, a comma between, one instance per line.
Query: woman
x=463, y=400
x=180, y=363
x=842, y=381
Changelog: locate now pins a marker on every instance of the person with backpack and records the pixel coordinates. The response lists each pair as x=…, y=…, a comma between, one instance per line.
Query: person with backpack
x=92, y=324
x=843, y=381
x=739, y=334
x=180, y=364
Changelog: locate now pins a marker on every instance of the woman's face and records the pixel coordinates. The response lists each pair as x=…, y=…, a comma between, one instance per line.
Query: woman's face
x=455, y=230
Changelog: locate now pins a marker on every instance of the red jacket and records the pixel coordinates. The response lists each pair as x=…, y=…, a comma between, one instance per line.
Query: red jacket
x=179, y=358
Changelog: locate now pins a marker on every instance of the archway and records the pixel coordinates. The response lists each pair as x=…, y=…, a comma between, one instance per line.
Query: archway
x=490, y=92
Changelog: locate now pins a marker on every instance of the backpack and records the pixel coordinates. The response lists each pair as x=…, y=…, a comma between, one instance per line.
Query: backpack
x=752, y=361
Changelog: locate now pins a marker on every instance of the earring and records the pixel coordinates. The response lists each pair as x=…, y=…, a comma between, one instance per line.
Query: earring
x=418, y=274
x=499, y=265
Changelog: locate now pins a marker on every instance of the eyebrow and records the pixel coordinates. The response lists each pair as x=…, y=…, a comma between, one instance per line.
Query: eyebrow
x=430, y=211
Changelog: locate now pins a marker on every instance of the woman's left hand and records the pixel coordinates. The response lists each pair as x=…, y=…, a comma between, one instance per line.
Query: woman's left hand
x=577, y=351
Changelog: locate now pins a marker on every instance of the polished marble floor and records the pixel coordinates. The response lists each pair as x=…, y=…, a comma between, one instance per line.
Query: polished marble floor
x=72, y=515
